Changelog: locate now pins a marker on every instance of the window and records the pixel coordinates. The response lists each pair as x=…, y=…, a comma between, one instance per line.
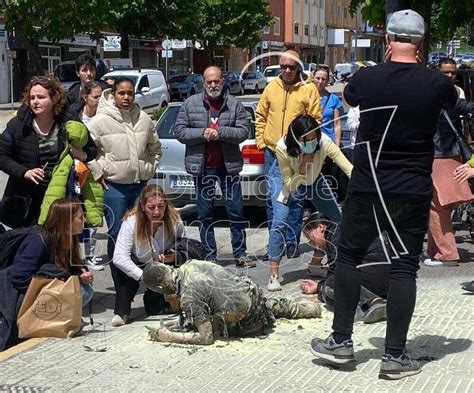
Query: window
x=338, y=11
x=315, y=30
x=306, y=29
x=297, y=28
x=321, y=4
x=345, y=13
x=276, y=26
x=331, y=9
x=266, y=30
x=143, y=83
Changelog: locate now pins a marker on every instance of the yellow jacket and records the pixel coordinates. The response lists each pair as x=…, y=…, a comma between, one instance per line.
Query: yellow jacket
x=278, y=106
x=289, y=165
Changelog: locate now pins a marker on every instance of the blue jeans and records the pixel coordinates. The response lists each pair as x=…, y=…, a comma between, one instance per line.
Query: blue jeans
x=319, y=194
x=274, y=185
x=118, y=199
x=232, y=193
x=87, y=293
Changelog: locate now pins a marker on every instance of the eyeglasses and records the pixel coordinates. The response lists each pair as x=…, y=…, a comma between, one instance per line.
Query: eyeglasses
x=290, y=66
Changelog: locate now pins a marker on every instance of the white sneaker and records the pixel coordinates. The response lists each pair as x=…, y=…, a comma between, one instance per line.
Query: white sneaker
x=117, y=320
x=432, y=262
x=93, y=263
x=273, y=284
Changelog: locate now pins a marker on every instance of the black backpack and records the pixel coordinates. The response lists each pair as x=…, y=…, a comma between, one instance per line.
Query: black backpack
x=11, y=240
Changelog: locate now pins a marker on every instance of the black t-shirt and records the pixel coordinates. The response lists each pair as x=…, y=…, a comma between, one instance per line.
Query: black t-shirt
x=406, y=156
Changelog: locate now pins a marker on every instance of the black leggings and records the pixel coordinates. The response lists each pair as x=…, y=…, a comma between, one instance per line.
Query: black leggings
x=125, y=290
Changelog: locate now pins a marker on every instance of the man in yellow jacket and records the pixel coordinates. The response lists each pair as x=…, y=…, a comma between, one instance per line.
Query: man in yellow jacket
x=283, y=99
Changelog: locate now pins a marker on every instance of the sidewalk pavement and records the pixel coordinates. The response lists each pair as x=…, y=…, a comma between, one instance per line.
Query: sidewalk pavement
x=123, y=359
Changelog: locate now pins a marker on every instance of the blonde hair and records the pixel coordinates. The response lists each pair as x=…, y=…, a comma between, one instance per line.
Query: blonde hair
x=143, y=224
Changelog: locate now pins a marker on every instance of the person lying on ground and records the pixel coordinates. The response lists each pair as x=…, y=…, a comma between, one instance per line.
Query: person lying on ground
x=214, y=301
x=324, y=236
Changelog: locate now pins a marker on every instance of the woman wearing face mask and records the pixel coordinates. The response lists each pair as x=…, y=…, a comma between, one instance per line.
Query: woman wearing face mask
x=301, y=154
x=128, y=153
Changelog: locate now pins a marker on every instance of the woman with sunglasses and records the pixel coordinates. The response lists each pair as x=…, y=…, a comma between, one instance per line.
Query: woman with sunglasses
x=30, y=148
x=301, y=154
x=331, y=106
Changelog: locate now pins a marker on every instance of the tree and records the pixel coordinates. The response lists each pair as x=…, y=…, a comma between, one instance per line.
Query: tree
x=442, y=17
x=231, y=22
x=37, y=20
x=152, y=18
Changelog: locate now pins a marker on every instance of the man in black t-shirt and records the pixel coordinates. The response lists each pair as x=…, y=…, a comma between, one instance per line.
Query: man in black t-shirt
x=390, y=189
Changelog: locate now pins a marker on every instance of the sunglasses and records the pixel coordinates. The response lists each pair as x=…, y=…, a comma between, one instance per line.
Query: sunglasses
x=290, y=66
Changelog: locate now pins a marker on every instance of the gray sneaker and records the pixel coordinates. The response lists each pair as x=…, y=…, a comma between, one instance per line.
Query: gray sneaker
x=335, y=353
x=397, y=368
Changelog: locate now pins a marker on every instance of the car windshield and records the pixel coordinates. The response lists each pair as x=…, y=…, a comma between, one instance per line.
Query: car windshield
x=272, y=72
x=133, y=78
x=165, y=126
x=181, y=78
x=249, y=75
x=66, y=73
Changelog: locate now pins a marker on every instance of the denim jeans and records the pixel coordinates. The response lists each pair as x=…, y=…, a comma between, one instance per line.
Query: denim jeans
x=118, y=199
x=232, y=193
x=319, y=194
x=363, y=216
x=274, y=185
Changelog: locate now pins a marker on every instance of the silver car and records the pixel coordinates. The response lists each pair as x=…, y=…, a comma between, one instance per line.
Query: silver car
x=179, y=185
x=254, y=81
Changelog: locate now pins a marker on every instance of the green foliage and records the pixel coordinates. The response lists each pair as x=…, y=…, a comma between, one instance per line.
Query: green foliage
x=158, y=112
x=443, y=17
x=231, y=22
x=36, y=20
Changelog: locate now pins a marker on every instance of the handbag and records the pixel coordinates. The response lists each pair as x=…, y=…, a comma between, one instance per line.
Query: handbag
x=466, y=151
x=51, y=308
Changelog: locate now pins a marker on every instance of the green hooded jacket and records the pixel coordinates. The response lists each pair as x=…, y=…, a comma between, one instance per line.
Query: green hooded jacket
x=92, y=191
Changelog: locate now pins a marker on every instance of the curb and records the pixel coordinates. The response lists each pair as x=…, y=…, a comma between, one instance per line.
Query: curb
x=19, y=348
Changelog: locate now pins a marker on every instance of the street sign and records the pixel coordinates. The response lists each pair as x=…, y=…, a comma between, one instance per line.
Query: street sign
x=166, y=54
x=166, y=44
x=179, y=44
x=112, y=43
x=11, y=54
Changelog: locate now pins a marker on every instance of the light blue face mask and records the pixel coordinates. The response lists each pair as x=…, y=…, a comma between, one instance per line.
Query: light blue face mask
x=309, y=147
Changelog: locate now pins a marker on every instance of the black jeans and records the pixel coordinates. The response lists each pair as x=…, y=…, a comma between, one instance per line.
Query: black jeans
x=125, y=290
x=363, y=217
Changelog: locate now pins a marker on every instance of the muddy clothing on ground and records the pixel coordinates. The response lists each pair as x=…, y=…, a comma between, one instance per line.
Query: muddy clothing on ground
x=234, y=304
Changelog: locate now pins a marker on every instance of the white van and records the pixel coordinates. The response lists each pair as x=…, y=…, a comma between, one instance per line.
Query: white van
x=271, y=72
x=151, y=91
x=118, y=64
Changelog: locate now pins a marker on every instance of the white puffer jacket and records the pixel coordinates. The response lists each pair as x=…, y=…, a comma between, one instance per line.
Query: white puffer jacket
x=128, y=148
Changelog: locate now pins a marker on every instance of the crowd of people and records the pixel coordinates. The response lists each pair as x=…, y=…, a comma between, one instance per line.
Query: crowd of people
x=404, y=183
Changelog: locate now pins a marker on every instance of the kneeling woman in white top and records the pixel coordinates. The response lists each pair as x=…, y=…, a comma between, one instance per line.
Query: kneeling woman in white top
x=301, y=154
x=149, y=232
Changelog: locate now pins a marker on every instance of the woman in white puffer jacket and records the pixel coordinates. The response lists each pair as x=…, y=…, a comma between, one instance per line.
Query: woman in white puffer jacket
x=128, y=153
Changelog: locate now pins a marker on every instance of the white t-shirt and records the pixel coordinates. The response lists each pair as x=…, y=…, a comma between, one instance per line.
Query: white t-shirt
x=126, y=246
